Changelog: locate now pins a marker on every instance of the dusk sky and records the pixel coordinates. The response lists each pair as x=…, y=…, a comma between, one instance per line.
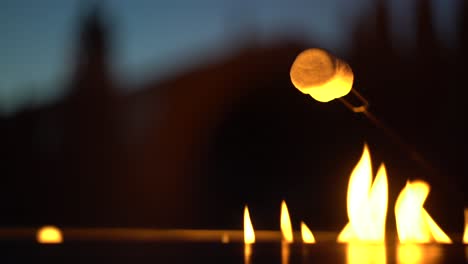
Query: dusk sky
x=37, y=37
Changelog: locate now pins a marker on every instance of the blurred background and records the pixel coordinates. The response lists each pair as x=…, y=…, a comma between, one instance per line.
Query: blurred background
x=175, y=114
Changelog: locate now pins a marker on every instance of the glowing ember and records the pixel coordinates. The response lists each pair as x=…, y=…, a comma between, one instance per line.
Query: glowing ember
x=321, y=75
x=49, y=235
x=366, y=204
x=249, y=234
x=414, y=224
x=286, y=227
x=307, y=236
x=465, y=234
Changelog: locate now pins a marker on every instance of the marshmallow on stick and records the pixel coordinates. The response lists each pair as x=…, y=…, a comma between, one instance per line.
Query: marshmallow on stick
x=321, y=75
x=324, y=77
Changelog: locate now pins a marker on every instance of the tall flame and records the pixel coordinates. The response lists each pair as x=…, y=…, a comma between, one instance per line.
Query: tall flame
x=249, y=234
x=307, y=236
x=414, y=224
x=366, y=203
x=286, y=227
x=465, y=234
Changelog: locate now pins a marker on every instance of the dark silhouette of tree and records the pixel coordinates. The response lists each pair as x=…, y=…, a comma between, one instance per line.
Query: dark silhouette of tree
x=92, y=115
x=92, y=70
x=427, y=43
x=463, y=31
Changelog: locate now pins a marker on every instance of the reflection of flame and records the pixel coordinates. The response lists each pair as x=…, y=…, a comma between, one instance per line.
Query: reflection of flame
x=285, y=252
x=247, y=253
x=367, y=205
x=465, y=234
x=249, y=234
x=409, y=253
x=466, y=254
x=418, y=254
x=49, y=235
x=307, y=236
x=414, y=224
x=286, y=227
x=359, y=253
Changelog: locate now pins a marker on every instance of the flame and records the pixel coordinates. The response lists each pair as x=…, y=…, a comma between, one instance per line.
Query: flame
x=465, y=234
x=286, y=227
x=414, y=224
x=49, y=235
x=366, y=204
x=249, y=234
x=307, y=236
x=358, y=253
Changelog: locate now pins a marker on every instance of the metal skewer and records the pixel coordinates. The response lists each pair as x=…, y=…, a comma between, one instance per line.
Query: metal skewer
x=364, y=109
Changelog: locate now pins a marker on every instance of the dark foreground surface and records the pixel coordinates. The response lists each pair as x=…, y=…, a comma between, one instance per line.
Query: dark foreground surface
x=123, y=252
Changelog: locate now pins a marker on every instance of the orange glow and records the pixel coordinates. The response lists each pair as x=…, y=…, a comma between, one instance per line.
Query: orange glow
x=249, y=234
x=286, y=227
x=225, y=238
x=366, y=204
x=49, y=235
x=307, y=236
x=414, y=224
x=321, y=75
x=465, y=234
x=363, y=253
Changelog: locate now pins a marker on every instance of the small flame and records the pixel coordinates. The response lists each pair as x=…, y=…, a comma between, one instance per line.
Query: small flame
x=366, y=204
x=249, y=234
x=286, y=227
x=49, y=235
x=414, y=224
x=307, y=236
x=465, y=234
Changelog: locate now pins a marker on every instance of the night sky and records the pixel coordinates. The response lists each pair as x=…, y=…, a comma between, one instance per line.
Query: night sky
x=160, y=37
